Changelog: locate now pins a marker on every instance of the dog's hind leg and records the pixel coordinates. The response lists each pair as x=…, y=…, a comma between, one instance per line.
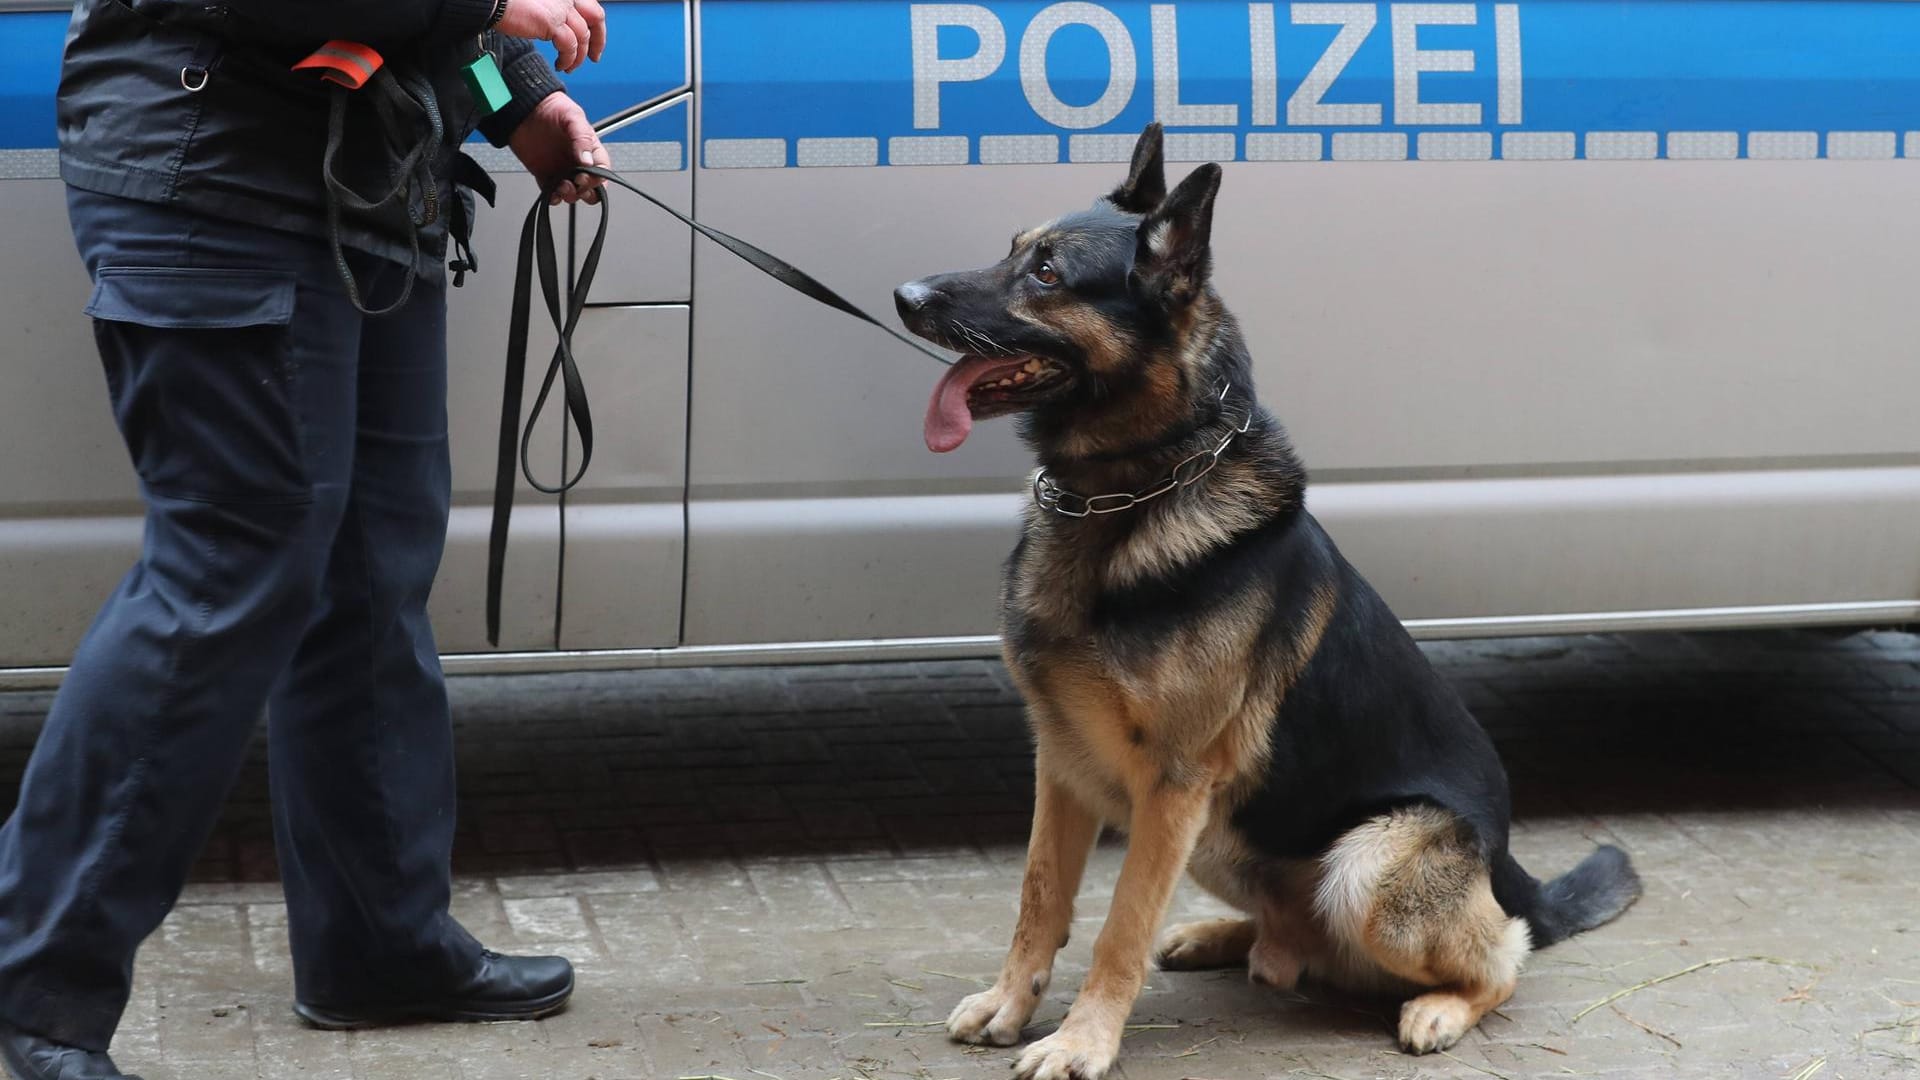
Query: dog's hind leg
x=1435, y=1021
x=1273, y=947
x=1206, y=944
x=1409, y=894
x=1287, y=938
x=1063, y=834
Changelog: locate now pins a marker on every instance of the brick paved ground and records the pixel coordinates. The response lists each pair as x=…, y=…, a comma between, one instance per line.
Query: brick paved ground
x=795, y=873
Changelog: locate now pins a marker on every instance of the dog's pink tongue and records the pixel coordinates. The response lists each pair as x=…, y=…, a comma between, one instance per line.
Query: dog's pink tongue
x=948, y=419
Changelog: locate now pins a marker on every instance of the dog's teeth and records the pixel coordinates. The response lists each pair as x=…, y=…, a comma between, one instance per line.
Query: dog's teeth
x=1033, y=367
x=1020, y=376
x=1004, y=382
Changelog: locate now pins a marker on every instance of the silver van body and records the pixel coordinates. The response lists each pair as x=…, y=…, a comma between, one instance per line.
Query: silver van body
x=1585, y=316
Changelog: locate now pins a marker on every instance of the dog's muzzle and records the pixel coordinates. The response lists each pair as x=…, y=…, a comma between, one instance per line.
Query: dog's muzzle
x=912, y=299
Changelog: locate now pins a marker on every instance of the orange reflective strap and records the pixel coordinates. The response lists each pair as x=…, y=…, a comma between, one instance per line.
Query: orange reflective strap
x=347, y=63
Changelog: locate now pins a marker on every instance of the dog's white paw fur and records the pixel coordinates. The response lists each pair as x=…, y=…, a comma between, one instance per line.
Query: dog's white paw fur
x=1433, y=1022
x=994, y=1017
x=1072, y=1053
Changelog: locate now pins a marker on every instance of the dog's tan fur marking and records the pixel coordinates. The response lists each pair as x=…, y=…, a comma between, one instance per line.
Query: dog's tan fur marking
x=1168, y=746
x=1291, y=943
x=1407, y=894
x=1112, y=424
x=1208, y=943
x=1165, y=823
x=1236, y=499
x=1106, y=346
x=1063, y=834
x=1033, y=236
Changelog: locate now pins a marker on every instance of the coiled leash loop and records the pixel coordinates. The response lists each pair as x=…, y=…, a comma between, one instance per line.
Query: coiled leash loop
x=409, y=114
x=537, y=252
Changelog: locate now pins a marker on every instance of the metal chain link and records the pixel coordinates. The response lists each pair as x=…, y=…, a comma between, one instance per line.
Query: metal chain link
x=1049, y=495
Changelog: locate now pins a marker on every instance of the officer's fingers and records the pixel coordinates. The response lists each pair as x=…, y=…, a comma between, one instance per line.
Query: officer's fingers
x=581, y=35
x=585, y=146
x=580, y=133
x=596, y=17
x=565, y=45
x=557, y=18
x=587, y=149
x=564, y=192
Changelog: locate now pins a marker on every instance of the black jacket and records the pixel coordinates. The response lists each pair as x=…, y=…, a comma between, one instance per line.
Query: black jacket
x=247, y=145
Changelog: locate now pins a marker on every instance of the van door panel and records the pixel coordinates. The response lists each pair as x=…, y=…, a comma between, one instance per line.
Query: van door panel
x=1595, y=310
x=626, y=521
x=648, y=255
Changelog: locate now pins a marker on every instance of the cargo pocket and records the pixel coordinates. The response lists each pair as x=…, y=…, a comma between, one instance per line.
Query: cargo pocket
x=197, y=361
x=192, y=298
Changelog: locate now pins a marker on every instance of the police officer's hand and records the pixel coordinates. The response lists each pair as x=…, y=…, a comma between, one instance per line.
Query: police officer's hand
x=577, y=28
x=554, y=139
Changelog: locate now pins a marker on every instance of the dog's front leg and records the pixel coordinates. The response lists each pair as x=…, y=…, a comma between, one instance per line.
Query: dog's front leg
x=1063, y=834
x=1165, y=824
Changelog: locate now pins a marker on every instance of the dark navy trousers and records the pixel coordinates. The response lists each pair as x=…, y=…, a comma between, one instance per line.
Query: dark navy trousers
x=292, y=455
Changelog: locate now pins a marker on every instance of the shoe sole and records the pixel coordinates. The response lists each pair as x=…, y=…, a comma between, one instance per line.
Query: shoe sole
x=329, y=1020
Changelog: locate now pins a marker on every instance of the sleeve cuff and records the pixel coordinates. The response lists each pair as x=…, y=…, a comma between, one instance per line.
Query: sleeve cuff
x=461, y=18
x=531, y=79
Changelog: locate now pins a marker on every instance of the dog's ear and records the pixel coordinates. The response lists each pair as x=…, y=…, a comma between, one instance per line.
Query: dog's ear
x=1146, y=183
x=1174, y=251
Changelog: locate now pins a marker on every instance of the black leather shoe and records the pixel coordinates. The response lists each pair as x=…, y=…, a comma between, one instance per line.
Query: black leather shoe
x=30, y=1057
x=504, y=988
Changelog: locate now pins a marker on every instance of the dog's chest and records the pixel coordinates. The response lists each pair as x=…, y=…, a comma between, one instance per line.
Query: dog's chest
x=1113, y=731
x=1127, y=698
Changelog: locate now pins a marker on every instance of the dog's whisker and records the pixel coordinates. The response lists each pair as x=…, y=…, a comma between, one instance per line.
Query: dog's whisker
x=975, y=336
x=990, y=341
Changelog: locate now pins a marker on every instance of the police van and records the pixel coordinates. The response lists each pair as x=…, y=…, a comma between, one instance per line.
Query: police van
x=1585, y=315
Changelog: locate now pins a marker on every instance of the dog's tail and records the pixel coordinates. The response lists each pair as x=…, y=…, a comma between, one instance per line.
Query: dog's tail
x=1593, y=893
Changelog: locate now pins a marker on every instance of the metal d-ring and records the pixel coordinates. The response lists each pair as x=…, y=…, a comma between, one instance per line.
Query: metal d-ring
x=186, y=76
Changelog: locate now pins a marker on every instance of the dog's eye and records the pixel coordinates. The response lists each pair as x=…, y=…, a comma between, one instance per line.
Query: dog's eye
x=1045, y=274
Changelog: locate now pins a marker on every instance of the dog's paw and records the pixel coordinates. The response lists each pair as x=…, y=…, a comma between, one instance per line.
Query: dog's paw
x=1273, y=965
x=1210, y=943
x=1072, y=1053
x=1433, y=1022
x=995, y=1017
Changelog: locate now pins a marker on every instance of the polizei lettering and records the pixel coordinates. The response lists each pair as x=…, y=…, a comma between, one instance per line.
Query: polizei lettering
x=983, y=44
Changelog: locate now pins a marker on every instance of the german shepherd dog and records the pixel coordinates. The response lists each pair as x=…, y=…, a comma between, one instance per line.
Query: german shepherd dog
x=1203, y=669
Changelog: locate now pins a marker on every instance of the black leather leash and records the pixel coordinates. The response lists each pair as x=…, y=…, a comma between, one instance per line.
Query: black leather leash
x=537, y=251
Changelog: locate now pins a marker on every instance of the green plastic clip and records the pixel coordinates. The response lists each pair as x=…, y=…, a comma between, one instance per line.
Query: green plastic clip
x=489, y=88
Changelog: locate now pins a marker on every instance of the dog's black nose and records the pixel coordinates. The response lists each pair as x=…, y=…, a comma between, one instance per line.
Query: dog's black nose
x=912, y=297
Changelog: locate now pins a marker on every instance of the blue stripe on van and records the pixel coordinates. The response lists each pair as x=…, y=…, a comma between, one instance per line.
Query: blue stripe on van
x=30, y=46
x=646, y=57
x=834, y=80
